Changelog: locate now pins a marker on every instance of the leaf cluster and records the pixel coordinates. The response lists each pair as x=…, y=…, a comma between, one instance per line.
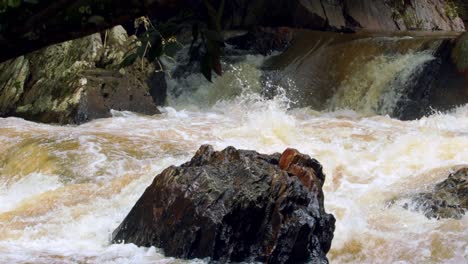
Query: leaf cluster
x=206, y=46
x=209, y=48
x=154, y=42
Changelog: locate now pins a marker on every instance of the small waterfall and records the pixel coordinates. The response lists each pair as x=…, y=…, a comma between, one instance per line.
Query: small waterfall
x=376, y=86
x=370, y=74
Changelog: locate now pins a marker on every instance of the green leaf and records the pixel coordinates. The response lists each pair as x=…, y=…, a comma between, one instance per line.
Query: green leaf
x=133, y=49
x=219, y=15
x=213, y=48
x=168, y=29
x=215, y=57
x=155, y=51
x=211, y=10
x=205, y=66
x=141, y=50
x=171, y=48
x=214, y=35
x=195, y=32
x=194, y=49
x=129, y=60
x=216, y=66
x=194, y=52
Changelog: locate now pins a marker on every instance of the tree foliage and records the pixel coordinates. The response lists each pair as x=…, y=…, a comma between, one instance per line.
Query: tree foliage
x=206, y=46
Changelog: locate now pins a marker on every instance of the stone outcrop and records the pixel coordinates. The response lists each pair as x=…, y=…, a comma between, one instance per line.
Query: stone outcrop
x=448, y=199
x=79, y=80
x=346, y=15
x=233, y=206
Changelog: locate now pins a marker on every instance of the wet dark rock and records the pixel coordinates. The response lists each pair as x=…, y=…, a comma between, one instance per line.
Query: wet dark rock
x=80, y=80
x=437, y=85
x=106, y=90
x=448, y=199
x=264, y=40
x=235, y=205
x=297, y=13
x=157, y=84
x=345, y=15
x=415, y=101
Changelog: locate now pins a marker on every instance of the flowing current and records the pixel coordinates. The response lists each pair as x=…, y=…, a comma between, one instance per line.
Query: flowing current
x=64, y=189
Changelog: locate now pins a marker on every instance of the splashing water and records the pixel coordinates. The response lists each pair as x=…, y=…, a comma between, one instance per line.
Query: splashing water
x=63, y=190
x=378, y=84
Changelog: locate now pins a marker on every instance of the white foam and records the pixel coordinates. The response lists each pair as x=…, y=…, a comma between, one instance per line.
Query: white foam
x=35, y=183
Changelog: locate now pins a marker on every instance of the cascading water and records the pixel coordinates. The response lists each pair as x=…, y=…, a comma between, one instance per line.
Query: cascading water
x=63, y=190
x=401, y=76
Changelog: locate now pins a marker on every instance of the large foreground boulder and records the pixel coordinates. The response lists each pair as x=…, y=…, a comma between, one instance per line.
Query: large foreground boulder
x=235, y=205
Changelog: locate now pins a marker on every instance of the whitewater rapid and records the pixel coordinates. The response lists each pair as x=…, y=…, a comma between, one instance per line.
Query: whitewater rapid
x=64, y=189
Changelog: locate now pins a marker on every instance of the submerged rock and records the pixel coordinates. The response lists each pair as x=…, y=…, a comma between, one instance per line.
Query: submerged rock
x=235, y=205
x=79, y=80
x=448, y=199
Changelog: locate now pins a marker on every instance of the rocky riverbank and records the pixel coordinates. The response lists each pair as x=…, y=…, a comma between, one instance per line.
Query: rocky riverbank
x=80, y=80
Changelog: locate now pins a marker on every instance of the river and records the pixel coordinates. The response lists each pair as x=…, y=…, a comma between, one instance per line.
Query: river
x=64, y=189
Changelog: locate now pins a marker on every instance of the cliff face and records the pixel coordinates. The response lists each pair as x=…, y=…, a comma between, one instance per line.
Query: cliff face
x=379, y=15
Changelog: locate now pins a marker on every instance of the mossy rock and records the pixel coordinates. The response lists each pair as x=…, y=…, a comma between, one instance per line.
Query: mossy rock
x=13, y=74
x=77, y=81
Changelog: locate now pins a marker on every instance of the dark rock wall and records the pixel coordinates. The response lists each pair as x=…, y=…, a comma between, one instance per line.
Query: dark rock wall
x=345, y=15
